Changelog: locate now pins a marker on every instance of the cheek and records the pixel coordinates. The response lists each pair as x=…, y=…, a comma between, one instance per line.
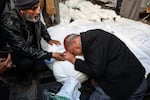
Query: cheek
x=79, y=51
x=31, y=14
x=27, y=15
x=71, y=50
x=74, y=51
x=37, y=11
x=68, y=49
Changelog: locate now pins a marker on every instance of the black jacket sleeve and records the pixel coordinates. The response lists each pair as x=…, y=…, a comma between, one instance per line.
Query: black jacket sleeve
x=95, y=55
x=44, y=32
x=2, y=6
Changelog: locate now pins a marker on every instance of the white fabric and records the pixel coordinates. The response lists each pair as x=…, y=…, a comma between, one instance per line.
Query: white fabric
x=64, y=14
x=85, y=10
x=135, y=34
x=70, y=89
x=63, y=70
x=73, y=3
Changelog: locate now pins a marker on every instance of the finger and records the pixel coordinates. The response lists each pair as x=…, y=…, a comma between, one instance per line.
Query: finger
x=8, y=59
x=2, y=59
x=61, y=58
x=64, y=51
x=57, y=43
x=61, y=54
x=64, y=54
x=9, y=65
x=14, y=66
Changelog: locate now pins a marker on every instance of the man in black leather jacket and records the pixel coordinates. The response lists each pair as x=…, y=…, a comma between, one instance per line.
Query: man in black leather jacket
x=4, y=62
x=2, y=6
x=22, y=29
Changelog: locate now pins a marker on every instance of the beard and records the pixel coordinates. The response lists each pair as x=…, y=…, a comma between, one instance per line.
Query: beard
x=33, y=18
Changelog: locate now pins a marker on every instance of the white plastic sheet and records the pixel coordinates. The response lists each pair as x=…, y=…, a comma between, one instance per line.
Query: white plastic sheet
x=70, y=89
x=63, y=70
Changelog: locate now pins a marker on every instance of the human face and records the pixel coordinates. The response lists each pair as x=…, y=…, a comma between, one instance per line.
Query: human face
x=76, y=47
x=32, y=14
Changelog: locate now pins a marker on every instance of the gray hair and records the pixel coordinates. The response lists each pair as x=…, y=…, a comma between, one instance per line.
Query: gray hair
x=69, y=38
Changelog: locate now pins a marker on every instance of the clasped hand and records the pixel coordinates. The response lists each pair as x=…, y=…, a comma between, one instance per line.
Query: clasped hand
x=70, y=57
x=64, y=56
x=5, y=64
x=51, y=42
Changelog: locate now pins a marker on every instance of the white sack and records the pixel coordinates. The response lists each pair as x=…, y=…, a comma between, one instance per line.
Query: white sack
x=63, y=70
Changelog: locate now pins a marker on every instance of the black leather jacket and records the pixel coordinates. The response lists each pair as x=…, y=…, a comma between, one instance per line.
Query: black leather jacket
x=2, y=6
x=16, y=32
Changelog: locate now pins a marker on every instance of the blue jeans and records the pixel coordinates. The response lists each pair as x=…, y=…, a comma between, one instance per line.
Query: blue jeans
x=99, y=94
x=140, y=91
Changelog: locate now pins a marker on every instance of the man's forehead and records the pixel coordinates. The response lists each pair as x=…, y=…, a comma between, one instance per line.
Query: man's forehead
x=36, y=5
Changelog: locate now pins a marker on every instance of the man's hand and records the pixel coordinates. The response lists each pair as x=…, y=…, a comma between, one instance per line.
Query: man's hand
x=6, y=63
x=51, y=42
x=70, y=57
x=58, y=56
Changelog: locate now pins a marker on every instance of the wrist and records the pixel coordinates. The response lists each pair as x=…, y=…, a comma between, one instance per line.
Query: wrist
x=53, y=55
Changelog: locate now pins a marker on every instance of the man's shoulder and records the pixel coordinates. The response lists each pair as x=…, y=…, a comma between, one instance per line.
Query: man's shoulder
x=10, y=14
x=9, y=19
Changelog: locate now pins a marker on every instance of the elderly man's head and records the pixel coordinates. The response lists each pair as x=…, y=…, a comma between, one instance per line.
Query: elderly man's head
x=72, y=44
x=29, y=9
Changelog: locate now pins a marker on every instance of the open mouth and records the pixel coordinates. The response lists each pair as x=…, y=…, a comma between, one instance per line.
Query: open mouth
x=37, y=17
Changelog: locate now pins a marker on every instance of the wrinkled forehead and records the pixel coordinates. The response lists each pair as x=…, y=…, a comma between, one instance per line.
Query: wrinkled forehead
x=34, y=7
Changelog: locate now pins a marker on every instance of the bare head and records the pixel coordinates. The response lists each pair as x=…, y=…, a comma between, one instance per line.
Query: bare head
x=72, y=44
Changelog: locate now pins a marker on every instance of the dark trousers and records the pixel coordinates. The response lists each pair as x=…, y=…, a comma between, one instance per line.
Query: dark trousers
x=4, y=91
x=27, y=64
x=99, y=94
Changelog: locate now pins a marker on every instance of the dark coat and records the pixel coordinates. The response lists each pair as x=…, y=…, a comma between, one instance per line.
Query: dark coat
x=16, y=32
x=109, y=61
x=2, y=6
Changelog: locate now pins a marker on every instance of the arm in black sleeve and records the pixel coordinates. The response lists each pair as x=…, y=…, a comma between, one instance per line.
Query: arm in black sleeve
x=2, y=6
x=94, y=65
x=12, y=33
x=94, y=48
x=44, y=32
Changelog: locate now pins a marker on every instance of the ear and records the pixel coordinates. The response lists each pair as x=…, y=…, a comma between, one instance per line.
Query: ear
x=22, y=12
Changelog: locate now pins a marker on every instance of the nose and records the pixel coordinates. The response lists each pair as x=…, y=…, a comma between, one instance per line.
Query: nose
x=37, y=11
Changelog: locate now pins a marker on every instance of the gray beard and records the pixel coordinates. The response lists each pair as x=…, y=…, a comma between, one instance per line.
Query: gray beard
x=34, y=19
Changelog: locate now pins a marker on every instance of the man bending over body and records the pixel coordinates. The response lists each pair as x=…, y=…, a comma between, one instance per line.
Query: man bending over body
x=117, y=73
